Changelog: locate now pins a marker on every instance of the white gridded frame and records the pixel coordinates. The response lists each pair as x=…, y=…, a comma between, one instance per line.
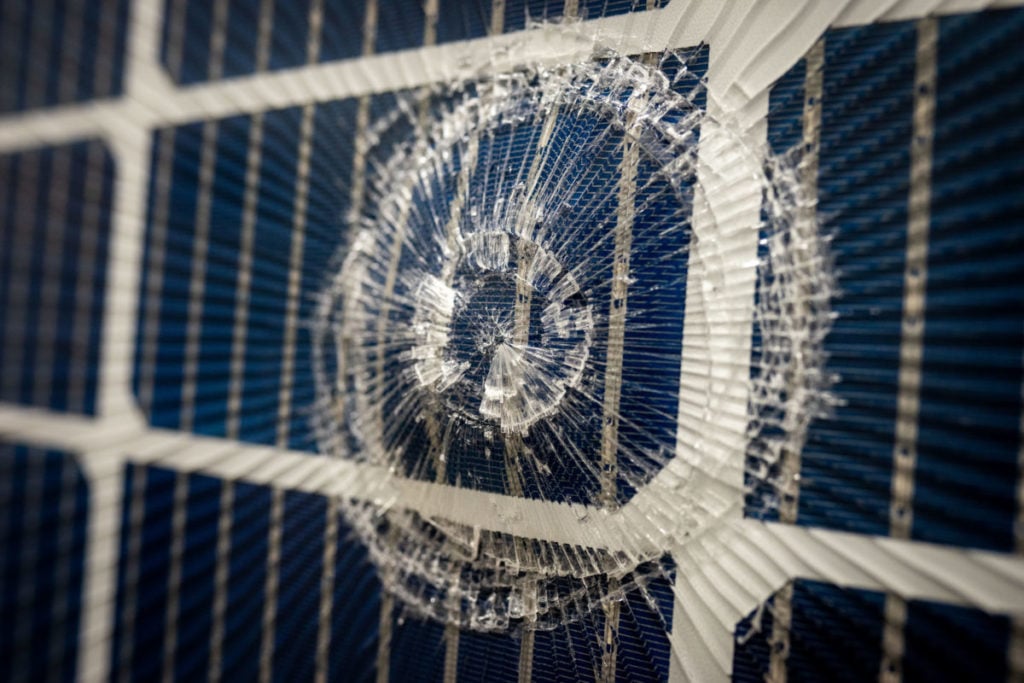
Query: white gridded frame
x=726, y=571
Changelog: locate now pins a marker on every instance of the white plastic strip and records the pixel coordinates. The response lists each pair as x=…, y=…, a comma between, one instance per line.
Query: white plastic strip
x=915, y=570
x=681, y=23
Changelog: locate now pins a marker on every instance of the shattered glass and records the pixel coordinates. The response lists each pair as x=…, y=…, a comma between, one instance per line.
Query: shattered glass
x=474, y=333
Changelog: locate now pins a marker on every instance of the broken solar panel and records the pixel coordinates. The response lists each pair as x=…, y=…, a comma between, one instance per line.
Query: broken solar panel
x=359, y=453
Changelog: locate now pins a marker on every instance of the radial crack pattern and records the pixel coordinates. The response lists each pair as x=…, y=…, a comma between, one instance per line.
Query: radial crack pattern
x=509, y=318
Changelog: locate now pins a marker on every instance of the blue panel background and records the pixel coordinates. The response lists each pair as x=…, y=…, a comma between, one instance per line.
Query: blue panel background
x=31, y=263
x=653, y=342
x=460, y=20
x=644, y=652
x=298, y=598
x=332, y=148
x=173, y=308
x=948, y=643
x=863, y=182
x=355, y=614
x=247, y=577
x=417, y=649
x=352, y=651
x=836, y=635
x=969, y=419
x=488, y=657
x=37, y=55
x=342, y=35
x=10, y=166
x=965, y=478
x=289, y=37
x=43, y=512
x=30, y=228
x=268, y=295
x=570, y=652
x=145, y=625
x=970, y=416
x=242, y=34
x=752, y=646
x=218, y=315
x=196, y=42
x=326, y=231
x=401, y=25
x=197, y=578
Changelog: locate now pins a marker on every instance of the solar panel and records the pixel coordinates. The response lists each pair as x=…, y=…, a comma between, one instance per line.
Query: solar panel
x=512, y=340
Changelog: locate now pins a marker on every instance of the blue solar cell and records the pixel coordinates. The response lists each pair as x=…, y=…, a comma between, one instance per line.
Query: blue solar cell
x=195, y=50
x=247, y=580
x=242, y=34
x=70, y=52
x=164, y=360
x=967, y=463
x=459, y=20
x=260, y=385
x=863, y=181
x=571, y=652
x=835, y=634
x=217, y=320
x=152, y=532
x=950, y=643
x=657, y=255
x=355, y=612
x=44, y=507
x=352, y=649
x=342, y=36
x=401, y=25
x=33, y=261
x=974, y=321
x=591, y=210
x=198, y=570
x=653, y=340
x=417, y=649
x=786, y=109
x=863, y=184
x=72, y=244
x=753, y=646
x=290, y=34
x=10, y=167
x=52, y=275
x=326, y=230
x=120, y=656
x=265, y=333
x=645, y=622
x=488, y=657
x=16, y=470
x=298, y=599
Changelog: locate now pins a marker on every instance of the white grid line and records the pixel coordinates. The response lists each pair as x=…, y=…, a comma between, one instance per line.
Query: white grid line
x=789, y=505
x=28, y=560
x=62, y=579
x=915, y=279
